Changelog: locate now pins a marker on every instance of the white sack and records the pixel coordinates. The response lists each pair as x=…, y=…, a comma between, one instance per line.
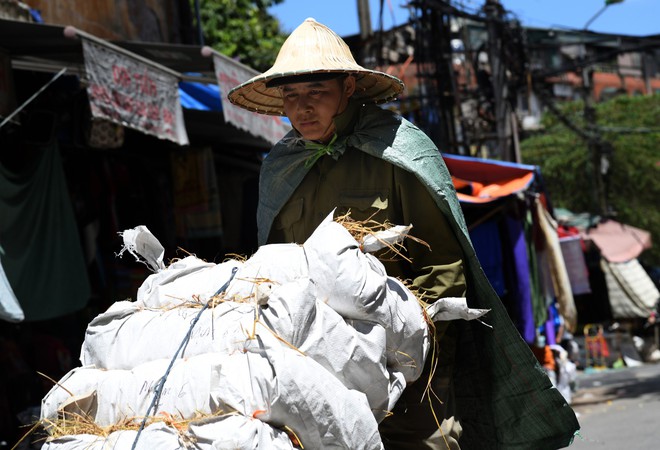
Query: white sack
x=202, y=384
x=141, y=243
x=453, y=308
x=182, y=280
x=322, y=412
x=179, y=282
x=156, y=436
x=379, y=240
x=270, y=382
x=127, y=335
x=272, y=265
x=352, y=283
x=356, y=285
x=354, y=351
x=238, y=432
x=214, y=433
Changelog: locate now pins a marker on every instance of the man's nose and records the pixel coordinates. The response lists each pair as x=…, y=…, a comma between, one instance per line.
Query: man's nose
x=304, y=103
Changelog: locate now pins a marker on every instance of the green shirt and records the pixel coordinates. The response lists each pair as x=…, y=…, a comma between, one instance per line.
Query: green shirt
x=372, y=188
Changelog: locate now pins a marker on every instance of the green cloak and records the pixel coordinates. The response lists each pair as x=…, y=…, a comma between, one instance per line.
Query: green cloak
x=504, y=400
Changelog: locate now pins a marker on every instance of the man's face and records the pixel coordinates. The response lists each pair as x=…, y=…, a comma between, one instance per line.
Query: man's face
x=311, y=106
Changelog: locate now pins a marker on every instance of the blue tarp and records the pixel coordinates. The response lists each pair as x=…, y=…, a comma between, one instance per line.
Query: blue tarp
x=200, y=96
x=203, y=97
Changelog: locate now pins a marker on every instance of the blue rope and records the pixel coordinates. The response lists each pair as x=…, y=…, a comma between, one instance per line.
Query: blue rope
x=161, y=382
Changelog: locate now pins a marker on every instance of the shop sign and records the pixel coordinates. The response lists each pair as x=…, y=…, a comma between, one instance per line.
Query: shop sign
x=230, y=74
x=129, y=92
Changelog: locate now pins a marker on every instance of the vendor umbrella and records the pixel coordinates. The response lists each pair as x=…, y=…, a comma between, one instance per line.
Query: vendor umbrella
x=619, y=242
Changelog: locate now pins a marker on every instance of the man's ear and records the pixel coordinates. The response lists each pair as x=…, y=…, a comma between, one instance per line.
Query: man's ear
x=349, y=86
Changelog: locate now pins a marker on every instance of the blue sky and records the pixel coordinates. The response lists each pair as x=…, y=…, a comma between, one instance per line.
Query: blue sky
x=632, y=17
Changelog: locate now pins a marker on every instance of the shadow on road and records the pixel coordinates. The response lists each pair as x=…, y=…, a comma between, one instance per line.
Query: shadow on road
x=617, y=384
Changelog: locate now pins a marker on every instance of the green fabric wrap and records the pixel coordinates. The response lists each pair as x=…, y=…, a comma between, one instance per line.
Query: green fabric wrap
x=504, y=399
x=43, y=257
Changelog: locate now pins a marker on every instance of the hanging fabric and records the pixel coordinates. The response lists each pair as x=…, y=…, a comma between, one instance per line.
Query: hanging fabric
x=486, y=241
x=560, y=280
x=43, y=257
x=519, y=283
x=541, y=297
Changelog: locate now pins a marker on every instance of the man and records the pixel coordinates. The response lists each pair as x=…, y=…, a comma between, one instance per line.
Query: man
x=487, y=390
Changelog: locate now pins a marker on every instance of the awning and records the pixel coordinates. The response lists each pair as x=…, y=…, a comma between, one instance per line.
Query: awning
x=45, y=48
x=131, y=90
x=231, y=73
x=41, y=47
x=481, y=181
x=619, y=242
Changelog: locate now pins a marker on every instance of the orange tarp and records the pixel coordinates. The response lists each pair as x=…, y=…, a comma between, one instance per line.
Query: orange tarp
x=482, y=181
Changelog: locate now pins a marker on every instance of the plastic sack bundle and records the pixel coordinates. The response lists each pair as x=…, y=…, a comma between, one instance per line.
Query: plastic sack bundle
x=270, y=382
x=316, y=338
x=354, y=352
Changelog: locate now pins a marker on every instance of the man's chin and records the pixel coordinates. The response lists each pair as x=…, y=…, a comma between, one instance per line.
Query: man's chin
x=314, y=133
x=311, y=136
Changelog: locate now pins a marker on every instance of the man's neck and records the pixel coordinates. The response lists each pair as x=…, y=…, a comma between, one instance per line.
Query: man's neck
x=345, y=121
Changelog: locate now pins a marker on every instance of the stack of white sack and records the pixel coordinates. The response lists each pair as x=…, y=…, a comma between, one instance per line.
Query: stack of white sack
x=313, y=339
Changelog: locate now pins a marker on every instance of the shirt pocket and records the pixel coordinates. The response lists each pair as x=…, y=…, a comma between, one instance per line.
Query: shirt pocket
x=363, y=203
x=289, y=215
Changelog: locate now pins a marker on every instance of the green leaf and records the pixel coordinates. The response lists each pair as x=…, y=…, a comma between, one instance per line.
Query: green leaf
x=242, y=29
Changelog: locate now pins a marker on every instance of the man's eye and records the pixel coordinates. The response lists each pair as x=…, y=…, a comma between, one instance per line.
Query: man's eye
x=290, y=96
x=314, y=92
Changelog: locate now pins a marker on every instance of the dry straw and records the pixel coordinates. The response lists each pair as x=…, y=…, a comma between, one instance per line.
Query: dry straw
x=360, y=229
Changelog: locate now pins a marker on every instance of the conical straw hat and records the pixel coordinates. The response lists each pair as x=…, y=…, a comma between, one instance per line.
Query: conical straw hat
x=313, y=48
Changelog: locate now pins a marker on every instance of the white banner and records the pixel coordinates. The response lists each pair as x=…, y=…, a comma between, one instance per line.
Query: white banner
x=131, y=93
x=230, y=74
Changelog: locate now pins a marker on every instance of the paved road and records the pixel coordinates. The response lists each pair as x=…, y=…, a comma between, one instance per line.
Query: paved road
x=618, y=409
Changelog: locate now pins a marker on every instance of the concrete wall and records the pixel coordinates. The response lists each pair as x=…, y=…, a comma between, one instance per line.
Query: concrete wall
x=136, y=20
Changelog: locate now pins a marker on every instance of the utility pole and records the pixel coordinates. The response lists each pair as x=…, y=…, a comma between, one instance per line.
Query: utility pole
x=435, y=72
x=598, y=149
x=364, y=15
x=647, y=64
x=198, y=19
x=502, y=108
